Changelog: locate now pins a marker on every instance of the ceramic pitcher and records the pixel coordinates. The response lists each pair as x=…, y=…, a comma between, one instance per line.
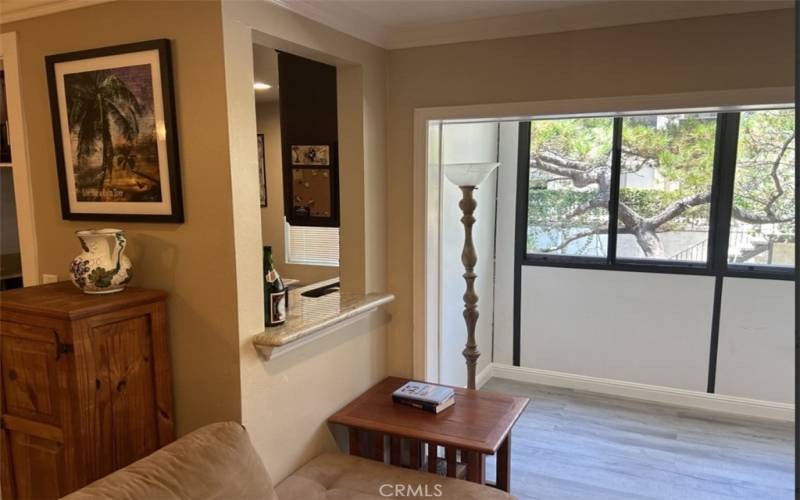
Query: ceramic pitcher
x=103, y=266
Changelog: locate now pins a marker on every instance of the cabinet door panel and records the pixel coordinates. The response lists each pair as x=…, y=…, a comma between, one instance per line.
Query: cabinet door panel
x=7, y=487
x=124, y=364
x=30, y=383
x=37, y=464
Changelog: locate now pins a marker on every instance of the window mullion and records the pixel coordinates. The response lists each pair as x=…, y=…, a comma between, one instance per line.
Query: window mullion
x=613, y=201
x=727, y=139
x=521, y=237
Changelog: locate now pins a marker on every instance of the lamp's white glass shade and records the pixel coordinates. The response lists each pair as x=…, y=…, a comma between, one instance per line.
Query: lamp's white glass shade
x=468, y=174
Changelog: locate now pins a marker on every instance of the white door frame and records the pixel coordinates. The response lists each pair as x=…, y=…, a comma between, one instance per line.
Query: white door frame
x=426, y=209
x=23, y=188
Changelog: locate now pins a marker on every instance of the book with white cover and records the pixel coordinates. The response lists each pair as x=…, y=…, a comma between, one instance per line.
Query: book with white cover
x=426, y=393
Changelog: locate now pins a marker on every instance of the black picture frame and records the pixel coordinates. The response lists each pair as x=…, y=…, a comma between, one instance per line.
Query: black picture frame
x=171, y=209
x=262, y=170
x=5, y=142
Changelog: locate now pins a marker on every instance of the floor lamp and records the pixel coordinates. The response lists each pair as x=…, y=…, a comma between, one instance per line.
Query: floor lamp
x=468, y=176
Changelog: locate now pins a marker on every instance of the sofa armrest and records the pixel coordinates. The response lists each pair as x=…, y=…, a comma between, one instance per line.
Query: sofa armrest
x=214, y=462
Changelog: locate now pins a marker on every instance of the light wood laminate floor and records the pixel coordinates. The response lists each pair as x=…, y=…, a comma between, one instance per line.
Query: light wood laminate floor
x=577, y=445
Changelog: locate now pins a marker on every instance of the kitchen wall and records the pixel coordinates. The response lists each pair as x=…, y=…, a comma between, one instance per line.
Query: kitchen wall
x=272, y=221
x=752, y=50
x=193, y=261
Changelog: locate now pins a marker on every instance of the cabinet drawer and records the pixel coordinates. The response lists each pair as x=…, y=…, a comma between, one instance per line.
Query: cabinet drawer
x=27, y=331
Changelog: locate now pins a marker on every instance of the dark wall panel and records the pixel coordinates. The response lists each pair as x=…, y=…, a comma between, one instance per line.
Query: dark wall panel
x=309, y=141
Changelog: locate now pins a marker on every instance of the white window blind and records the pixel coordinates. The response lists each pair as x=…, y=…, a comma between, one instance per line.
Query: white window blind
x=316, y=246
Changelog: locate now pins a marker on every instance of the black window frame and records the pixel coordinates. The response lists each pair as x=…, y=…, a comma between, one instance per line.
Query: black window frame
x=721, y=203
x=726, y=146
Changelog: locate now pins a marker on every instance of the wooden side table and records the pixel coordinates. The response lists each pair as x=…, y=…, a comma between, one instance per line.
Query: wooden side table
x=477, y=425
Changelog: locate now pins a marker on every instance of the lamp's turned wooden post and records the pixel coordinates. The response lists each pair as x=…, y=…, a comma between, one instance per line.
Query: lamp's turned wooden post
x=468, y=176
x=469, y=257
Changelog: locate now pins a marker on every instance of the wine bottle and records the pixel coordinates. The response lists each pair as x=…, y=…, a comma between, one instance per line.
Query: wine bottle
x=274, y=292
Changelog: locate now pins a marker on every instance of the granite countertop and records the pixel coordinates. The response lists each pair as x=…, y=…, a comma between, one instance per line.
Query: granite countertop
x=309, y=318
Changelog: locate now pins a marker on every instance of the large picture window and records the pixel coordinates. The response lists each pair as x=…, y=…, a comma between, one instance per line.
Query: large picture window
x=648, y=191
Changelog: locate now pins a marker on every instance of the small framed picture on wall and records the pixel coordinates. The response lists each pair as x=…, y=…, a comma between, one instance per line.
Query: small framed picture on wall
x=311, y=155
x=262, y=170
x=115, y=133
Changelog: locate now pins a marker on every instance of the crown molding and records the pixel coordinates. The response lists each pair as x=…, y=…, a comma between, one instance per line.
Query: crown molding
x=44, y=9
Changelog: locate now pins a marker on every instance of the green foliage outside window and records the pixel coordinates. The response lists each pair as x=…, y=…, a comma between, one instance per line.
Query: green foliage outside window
x=763, y=196
x=667, y=166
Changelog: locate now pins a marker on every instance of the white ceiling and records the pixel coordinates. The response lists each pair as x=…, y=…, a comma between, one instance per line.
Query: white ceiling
x=395, y=13
x=265, y=70
x=396, y=24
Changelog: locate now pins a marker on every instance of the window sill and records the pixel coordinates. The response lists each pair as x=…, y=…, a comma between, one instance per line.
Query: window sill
x=311, y=318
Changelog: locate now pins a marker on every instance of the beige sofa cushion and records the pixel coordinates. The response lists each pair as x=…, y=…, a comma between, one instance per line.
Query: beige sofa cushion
x=333, y=476
x=215, y=462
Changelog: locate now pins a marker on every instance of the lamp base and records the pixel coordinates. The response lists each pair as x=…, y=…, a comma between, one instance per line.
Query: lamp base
x=469, y=257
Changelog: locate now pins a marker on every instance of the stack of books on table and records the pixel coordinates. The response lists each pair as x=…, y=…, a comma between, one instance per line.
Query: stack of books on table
x=428, y=397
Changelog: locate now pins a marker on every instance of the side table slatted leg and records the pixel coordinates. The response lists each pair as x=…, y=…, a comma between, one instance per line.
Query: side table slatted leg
x=414, y=452
x=452, y=463
x=476, y=467
x=377, y=447
x=504, y=464
x=355, y=445
x=396, y=452
x=433, y=457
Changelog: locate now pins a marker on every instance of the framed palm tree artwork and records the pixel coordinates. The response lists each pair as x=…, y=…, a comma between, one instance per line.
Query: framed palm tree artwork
x=115, y=134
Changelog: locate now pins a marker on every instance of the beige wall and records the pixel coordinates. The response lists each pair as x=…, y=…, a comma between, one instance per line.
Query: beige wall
x=712, y=53
x=286, y=401
x=272, y=228
x=192, y=261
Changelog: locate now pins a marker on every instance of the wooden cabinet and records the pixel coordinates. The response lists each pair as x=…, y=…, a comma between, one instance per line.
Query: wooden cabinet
x=86, y=386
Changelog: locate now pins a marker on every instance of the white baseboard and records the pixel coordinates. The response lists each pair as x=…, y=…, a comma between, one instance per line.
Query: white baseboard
x=483, y=376
x=667, y=395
